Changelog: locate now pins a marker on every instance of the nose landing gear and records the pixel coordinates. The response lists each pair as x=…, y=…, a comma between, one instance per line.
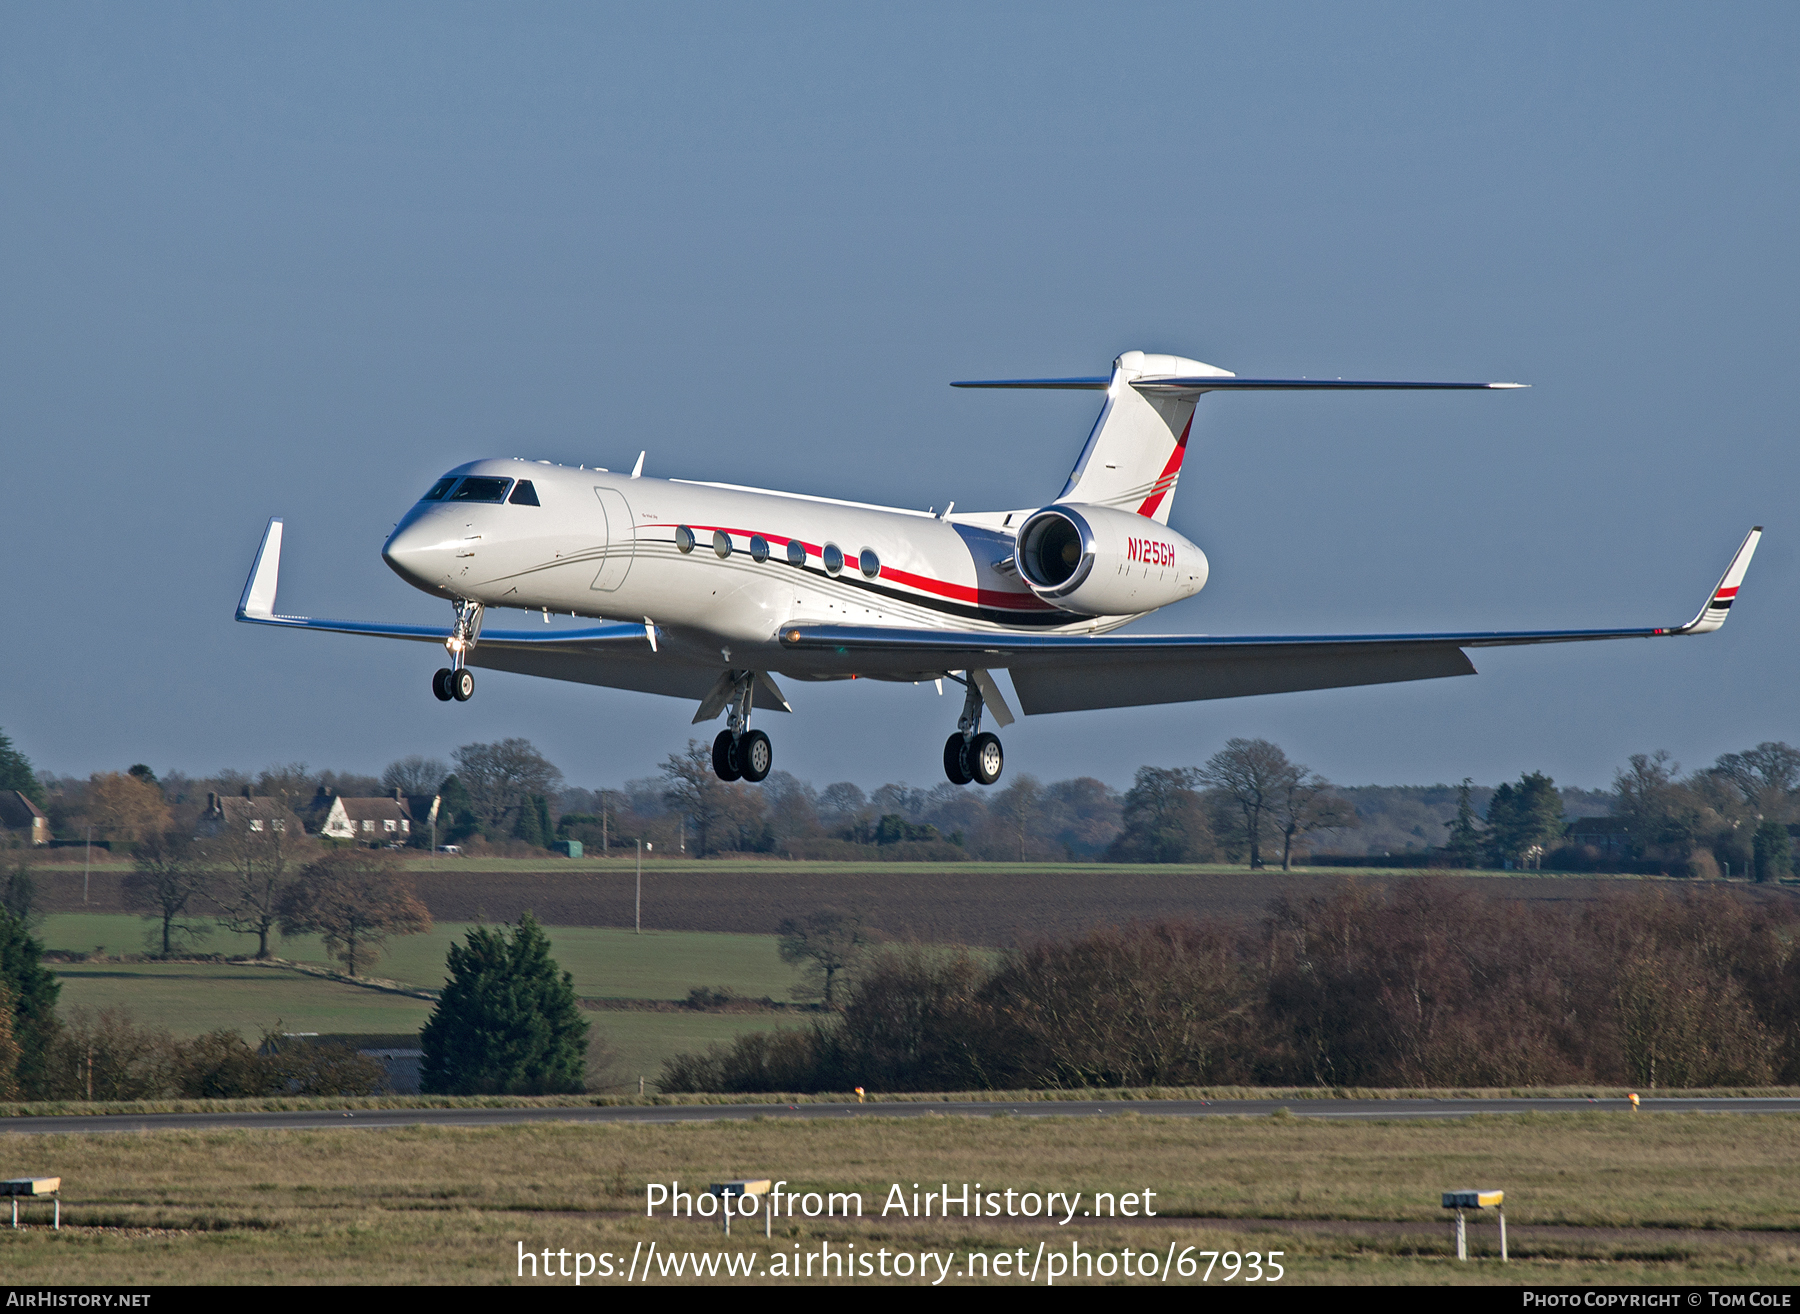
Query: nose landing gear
x=740, y=752
x=972, y=754
x=458, y=681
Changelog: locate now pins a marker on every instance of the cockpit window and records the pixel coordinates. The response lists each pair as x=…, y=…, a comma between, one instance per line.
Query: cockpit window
x=481, y=490
x=523, y=494
x=438, y=490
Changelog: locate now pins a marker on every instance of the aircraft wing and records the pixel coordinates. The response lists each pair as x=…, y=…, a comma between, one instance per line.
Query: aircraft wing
x=615, y=656
x=1075, y=672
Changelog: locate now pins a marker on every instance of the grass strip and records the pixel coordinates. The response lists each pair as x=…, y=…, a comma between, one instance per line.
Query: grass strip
x=305, y=1104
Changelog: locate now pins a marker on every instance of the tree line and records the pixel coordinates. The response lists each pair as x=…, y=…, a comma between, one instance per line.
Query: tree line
x=1246, y=803
x=1429, y=983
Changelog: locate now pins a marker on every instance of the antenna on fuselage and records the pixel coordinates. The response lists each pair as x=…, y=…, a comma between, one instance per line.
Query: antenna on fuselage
x=638, y=469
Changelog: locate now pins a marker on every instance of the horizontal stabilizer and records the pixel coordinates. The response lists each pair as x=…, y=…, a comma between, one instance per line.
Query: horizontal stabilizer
x=1099, y=383
x=1134, y=454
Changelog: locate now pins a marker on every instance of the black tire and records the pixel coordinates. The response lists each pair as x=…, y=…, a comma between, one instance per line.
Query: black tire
x=956, y=769
x=462, y=684
x=725, y=757
x=985, y=759
x=755, y=755
x=440, y=684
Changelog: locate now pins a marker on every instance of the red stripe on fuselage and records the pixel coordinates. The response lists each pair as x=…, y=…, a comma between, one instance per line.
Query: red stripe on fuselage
x=1167, y=478
x=942, y=588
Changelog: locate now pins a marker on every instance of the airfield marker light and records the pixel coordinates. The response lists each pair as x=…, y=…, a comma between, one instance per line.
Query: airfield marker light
x=1634, y=1101
x=1461, y=1200
x=859, y=1094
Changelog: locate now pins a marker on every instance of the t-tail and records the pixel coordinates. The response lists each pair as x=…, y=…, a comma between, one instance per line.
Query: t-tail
x=1134, y=454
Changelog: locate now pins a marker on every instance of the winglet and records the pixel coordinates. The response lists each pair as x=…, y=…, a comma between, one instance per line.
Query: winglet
x=1718, y=602
x=258, y=602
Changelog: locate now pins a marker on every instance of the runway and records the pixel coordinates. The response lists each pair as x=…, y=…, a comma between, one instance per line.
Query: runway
x=1348, y=1109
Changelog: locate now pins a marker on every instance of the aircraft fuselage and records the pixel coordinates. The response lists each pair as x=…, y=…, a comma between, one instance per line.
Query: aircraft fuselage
x=720, y=570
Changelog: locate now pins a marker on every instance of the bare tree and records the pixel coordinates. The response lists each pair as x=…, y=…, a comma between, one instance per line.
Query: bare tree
x=1017, y=806
x=354, y=899
x=294, y=783
x=124, y=807
x=169, y=875
x=1250, y=775
x=825, y=945
x=1767, y=776
x=501, y=777
x=691, y=788
x=1304, y=802
x=255, y=866
x=843, y=805
x=415, y=775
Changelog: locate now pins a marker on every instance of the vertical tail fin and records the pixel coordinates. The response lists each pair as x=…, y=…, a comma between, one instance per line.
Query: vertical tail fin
x=1133, y=456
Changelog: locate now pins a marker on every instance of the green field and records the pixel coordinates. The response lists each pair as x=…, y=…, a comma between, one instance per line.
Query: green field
x=606, y=963
x=191, y=998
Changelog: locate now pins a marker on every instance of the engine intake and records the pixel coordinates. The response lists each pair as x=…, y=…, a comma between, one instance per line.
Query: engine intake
x=1099, y=561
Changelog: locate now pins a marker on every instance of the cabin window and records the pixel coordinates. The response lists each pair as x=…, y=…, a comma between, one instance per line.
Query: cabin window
x=684, y=539
x=438, y=490
x=796, y=553
x=390, y=825
x=759, y=548
x=721, y=544
x=481, y=490
x=869, y=563
x=255, y=825
x=368, y=826
x=524, y=494
x=833, y=556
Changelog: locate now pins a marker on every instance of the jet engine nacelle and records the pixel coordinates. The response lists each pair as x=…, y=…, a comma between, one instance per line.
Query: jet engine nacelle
x=1103, y=562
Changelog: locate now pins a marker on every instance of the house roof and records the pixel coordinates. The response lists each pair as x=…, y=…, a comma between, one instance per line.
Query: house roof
x=18, y=812
x=375, y=809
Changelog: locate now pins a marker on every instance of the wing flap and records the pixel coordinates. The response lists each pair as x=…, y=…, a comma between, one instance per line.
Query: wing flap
x=1188, y=677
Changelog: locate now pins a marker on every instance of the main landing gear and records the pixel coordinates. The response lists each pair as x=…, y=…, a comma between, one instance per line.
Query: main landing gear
x=450, y=683
x=740, y=753
x=972, y=753
x=457, y=680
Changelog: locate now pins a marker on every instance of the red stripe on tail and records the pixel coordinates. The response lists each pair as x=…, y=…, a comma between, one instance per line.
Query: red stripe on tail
x=1166, y=480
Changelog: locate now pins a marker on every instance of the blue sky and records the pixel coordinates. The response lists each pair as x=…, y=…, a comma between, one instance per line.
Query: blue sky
x=297, y=260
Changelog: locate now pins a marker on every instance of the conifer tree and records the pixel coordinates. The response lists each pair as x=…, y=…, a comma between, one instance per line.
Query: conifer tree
x=507, y=1022
x=31, y=989
x=16, y=772
x=1464, y=841
x=1774, y=852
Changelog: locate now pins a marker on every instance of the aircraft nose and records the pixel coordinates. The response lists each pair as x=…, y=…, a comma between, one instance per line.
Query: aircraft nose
x=418, y=554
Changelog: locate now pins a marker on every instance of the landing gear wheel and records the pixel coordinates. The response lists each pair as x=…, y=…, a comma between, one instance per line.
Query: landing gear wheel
x=461, y=684
x=440, y=684
x=985, y=758
x=755, y=755
x=725, y=757
x=956, y=768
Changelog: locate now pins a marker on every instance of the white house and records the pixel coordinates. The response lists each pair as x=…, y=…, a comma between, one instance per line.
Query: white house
x=368, y=820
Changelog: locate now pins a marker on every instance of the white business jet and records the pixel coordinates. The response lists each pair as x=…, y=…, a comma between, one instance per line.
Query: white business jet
x=713, y=589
